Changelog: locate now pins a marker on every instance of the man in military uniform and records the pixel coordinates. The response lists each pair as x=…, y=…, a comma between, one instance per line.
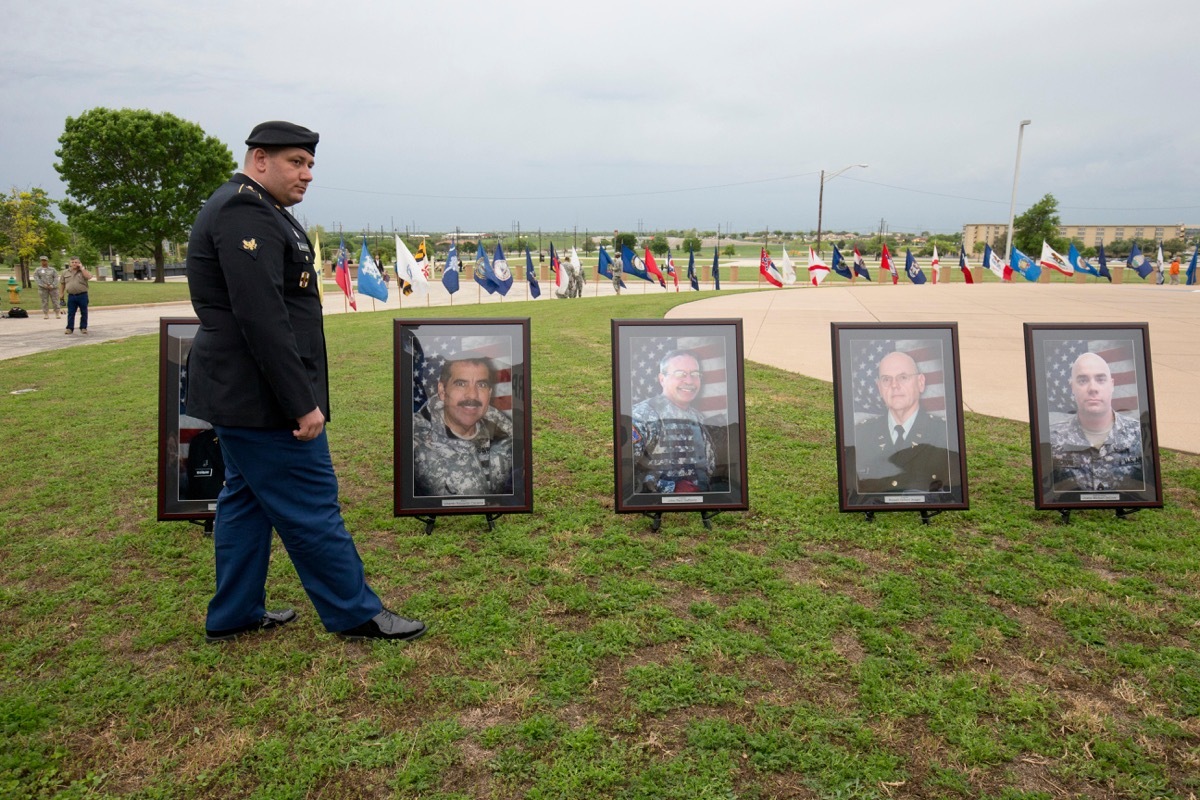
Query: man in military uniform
x=466, y=445
x=46, y=278
x=905, y=449
x=1097, y=449
x=673, y=452
x=257, y=373
x=574, y=277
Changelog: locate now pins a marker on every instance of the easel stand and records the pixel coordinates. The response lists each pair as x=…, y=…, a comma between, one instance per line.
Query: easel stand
x=926, y=516
x=655, y=518
x=431, y=521
x=1121, y=513
x=207, y=523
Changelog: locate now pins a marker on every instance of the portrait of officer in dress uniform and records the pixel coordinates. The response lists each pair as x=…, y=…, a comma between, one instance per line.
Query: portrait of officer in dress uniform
x=903, y=450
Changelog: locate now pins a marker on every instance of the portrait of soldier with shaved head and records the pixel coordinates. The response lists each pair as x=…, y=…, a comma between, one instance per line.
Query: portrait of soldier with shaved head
x=1095, y=449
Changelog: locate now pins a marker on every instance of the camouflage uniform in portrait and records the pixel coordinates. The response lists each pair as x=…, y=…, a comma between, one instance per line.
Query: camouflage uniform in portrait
x=1114, y=465
x=672, y=449
x=444, y=464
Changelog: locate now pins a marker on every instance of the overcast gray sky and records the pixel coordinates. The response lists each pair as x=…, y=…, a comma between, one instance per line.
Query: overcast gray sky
x=664, y=114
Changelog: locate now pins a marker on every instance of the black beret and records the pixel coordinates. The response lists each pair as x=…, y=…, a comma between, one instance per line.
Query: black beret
x=278, y=133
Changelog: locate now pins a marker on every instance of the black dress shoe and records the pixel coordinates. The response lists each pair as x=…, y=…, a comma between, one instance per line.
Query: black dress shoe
x=272, y=619
x=386, y=625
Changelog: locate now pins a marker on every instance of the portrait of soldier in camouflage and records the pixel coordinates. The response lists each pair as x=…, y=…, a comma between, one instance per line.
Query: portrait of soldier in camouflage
x=465, y=446
x=672, y=448
x=1096, y=448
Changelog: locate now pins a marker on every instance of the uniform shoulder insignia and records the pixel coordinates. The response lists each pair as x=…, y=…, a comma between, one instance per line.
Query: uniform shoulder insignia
x=251, y=247
x=251, y=189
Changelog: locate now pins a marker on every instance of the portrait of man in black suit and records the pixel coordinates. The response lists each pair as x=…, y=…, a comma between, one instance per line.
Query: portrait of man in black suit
x=904, y=449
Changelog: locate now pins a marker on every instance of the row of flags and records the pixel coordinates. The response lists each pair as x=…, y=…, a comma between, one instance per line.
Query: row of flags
x=494, y=275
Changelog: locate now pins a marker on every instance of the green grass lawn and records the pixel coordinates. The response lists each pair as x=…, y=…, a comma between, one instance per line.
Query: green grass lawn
x=792, y=651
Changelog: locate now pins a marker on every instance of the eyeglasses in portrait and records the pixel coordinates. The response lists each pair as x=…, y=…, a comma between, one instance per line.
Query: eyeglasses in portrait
x=898, y=414
x=678, y=421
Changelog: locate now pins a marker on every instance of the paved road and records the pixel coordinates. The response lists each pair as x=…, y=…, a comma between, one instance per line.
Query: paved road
x=790, y=329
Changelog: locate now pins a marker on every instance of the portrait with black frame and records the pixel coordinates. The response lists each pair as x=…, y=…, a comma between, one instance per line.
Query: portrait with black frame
x=191, y=470
x=1092, y=424
x=898, y=417
x=463, y=439
x=679, y=433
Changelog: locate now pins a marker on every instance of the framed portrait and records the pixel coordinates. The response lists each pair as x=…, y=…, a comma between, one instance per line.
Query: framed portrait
x=463, y=440
x=1092, y=427
x=190, y=468
x=679, y=433
x=898, y=415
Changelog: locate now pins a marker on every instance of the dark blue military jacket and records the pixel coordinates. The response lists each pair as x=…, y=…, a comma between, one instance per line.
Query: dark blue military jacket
x=258, y=360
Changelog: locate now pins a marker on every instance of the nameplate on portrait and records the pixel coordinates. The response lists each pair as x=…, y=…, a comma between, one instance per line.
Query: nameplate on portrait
x=464, y=502
x=1102, y=497
x=681, y=499
x=904, y=498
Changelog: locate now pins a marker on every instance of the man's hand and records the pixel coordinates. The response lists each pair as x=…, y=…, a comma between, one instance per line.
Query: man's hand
x=311, y=425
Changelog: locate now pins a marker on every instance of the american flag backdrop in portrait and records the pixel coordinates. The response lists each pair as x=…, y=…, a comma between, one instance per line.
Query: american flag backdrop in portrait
x=713, y=402
x=431, y=352
x=1061, y=354
x=865, y=355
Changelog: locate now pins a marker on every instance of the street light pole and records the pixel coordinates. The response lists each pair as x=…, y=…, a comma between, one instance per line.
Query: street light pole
x=821, y=198
x=1012, y=206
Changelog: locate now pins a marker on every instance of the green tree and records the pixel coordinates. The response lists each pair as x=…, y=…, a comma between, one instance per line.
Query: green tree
x=658, y=245
x=28, y=228
x=729, y=250
x=589, y=245
x=1040, y=223
x=135, y=178
x=690, y=243
x=624, y=240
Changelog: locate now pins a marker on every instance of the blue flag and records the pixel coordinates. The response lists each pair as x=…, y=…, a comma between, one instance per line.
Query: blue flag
x=1191, y=270
x=716, y=270
x=1025, y=265
x=450, y=270
x=1079, y=263
x=605, y=266
x=531, y=276
x=633, y=264
x=500, y=271
x=839, y=264
x=1138, y=262
x=370, y=282
x=911, y=268
x=692, y=279
x=1103, y=262
x=483, y=270
x=860, y=266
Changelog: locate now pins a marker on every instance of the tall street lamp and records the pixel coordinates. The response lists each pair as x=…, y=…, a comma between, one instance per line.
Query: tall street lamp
x=821, y=199
x=1012, y=206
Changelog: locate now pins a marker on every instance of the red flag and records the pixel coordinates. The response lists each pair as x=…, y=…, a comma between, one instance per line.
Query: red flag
x=674, y=273
x=652, y=269
x=935, y=266
x=556, y=267
x=342, y=275
x=964, y=265
x=767, y=268
x=885, y=262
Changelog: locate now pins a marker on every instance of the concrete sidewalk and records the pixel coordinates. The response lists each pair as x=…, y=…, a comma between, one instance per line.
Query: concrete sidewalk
x=790, y=329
